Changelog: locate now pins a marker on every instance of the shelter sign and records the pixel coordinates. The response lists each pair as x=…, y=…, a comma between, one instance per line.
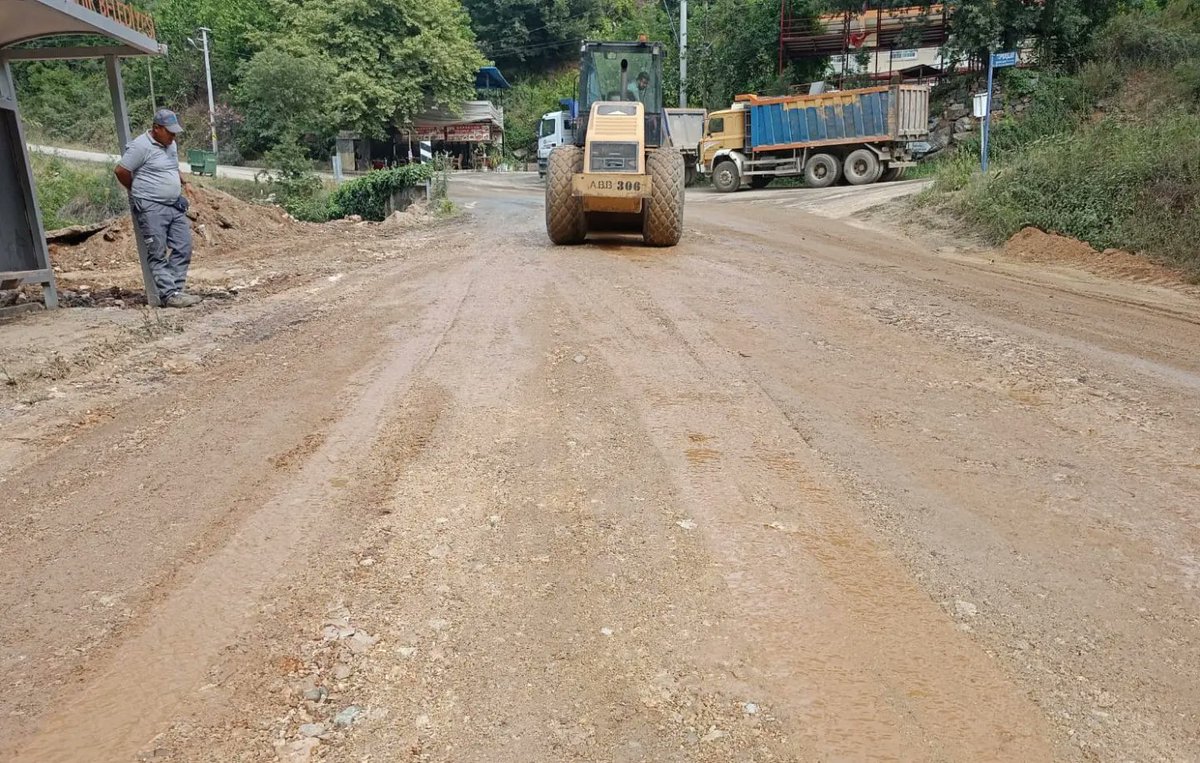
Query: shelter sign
x=122, y=13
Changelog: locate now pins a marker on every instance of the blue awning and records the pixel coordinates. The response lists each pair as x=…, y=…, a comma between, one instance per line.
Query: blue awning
x=490, y=78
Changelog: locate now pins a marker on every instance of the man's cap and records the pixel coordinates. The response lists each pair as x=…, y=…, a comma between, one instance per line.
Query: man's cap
x=168, y=119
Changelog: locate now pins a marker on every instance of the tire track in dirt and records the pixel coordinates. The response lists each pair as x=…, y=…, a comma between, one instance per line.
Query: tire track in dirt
x=1034, y=463
x=153, y=669
x=847, y=647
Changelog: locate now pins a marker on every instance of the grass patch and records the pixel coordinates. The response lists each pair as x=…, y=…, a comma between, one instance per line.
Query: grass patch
x=1110, y=156
x=1133, y=186
x=76, y=193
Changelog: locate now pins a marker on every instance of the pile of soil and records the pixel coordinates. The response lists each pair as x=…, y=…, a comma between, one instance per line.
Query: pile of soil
x=221, y=224
x=416, y=215
x=1037, y=245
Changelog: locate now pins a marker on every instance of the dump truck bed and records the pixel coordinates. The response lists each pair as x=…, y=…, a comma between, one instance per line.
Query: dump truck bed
x=686, y=127
x=874, y=114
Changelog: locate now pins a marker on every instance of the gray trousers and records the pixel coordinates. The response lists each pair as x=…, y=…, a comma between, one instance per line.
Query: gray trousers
x=162, y=228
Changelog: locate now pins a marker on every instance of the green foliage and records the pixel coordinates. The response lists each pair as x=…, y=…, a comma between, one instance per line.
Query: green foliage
x=532, y=34
x=1059, y=103
x=74, y=193
x=740, y=44
x=393, y=57
x=529, y=99
x=1132, y=186
x=1110, y=156
x=284, y=97
x=1061, y=28
x=1148, y=39
x=293, y=183
x=368, y=195
x=239, y=30
x=66, y=102
x=373, y=62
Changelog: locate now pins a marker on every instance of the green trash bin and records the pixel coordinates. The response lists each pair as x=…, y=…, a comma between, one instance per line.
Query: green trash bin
x=202, y=162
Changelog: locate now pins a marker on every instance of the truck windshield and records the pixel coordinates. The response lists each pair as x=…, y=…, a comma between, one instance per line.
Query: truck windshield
x=630, y=73
x=547, y=127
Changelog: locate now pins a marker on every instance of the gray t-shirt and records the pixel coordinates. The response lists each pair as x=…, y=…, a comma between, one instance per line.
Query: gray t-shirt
x=155, y=169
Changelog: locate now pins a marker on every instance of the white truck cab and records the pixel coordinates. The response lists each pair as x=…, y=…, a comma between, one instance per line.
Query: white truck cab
x=556, y=129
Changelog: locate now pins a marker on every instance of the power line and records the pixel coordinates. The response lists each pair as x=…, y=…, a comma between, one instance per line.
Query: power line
x=533, y=48
x=539, y=29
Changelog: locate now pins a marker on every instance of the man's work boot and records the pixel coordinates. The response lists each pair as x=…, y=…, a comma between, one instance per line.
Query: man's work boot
x=182, y=299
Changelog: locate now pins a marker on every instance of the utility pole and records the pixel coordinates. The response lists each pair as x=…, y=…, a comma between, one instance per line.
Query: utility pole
x=683, y=44
x=212, y=111
x=150, y=73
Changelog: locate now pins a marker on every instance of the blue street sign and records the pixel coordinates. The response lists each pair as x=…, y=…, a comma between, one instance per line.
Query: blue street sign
x=1002, y=60
x=995, y=61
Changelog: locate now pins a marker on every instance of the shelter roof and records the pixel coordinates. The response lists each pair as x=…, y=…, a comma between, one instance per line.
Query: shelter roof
x=25, y=20
x=490, y=78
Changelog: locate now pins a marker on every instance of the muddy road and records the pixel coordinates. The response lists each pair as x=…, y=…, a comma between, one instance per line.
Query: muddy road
x=803, y=488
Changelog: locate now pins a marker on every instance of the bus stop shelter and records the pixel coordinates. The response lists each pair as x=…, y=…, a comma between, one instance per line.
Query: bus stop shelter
x=120, y=31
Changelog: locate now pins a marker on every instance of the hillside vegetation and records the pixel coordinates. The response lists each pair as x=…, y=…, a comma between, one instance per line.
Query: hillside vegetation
x=1110, y=151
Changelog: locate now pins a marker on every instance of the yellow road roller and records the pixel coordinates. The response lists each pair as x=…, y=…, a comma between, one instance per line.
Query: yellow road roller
x=622, y=175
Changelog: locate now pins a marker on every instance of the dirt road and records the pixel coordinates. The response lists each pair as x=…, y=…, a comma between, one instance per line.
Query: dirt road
x=803, y=488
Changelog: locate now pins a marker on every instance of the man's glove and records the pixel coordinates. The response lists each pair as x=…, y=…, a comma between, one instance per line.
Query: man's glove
x=182, y=204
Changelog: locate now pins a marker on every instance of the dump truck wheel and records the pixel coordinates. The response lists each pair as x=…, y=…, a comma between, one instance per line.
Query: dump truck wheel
x=662, y=223
x=821, y=171
x=892, y=173
x=690, y=174
x=726, y=178
x=565, y=222
x=862, y=167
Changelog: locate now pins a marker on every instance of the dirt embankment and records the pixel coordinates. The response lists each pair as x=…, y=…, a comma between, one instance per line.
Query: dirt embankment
x=1036, y=245
x=99, y=264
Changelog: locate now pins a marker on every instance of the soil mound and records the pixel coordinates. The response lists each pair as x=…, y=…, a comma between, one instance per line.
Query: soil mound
x=1037, y=245
x=220, y=224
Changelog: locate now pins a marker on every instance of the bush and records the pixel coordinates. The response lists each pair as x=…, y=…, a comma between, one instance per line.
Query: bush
x=1101, y=78
x=283, y=96
x=1130, y=186
x=368, y=196
x=1147, y=39
x=66, y=103
x=1058, y=104
x=294, y=184
x=76, y=194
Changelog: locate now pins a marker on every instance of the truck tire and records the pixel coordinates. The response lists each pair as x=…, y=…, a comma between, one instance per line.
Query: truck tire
x=690, y=174
x=862, y=167
x=821, y=171
x=662, y=221
x=565, y=222
x=760, y=181
x=892, y=173
x=725, y=177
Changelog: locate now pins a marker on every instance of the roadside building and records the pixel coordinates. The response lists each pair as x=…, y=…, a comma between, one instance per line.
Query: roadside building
x=471, y=133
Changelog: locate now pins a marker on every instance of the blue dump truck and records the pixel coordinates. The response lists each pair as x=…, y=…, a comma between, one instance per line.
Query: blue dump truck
x=861, y=136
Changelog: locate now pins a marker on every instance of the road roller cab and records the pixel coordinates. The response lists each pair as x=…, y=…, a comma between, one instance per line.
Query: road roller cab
x=621, y=176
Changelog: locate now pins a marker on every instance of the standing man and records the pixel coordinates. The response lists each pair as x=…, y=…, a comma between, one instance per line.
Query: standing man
x=149, y=170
